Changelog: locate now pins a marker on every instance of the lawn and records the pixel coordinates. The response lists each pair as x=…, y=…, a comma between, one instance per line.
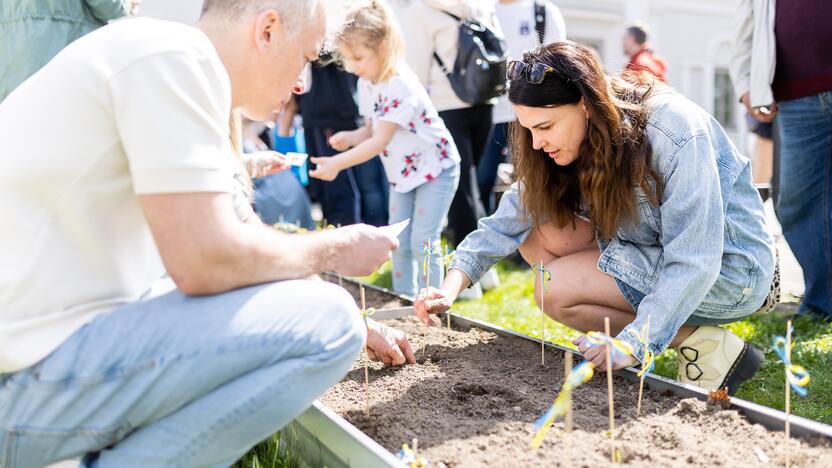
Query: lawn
x=512, y=306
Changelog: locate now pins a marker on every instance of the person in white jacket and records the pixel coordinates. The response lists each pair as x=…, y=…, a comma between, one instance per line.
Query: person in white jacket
x=525, y=28
x=782, y=69
x=428, y=29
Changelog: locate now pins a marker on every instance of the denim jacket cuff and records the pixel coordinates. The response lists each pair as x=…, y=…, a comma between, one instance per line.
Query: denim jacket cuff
x=628, y=335
x=468, y=266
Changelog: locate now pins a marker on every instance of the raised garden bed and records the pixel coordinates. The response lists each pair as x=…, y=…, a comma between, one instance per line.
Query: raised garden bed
x=475, y=393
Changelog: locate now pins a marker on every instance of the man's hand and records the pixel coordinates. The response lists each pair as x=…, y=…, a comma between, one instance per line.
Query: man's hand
x=328, y=168
x=431, y=301
x=762, y=114
x=597, y=355
x=361, y=249
x=388, y=345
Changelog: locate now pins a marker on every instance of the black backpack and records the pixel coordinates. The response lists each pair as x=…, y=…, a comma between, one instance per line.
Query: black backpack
x=479, y=72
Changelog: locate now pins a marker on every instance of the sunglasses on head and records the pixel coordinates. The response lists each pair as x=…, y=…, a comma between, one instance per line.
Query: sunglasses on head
x=534, y=73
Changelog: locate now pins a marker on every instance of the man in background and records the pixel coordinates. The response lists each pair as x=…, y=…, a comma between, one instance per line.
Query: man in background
x=642, y=56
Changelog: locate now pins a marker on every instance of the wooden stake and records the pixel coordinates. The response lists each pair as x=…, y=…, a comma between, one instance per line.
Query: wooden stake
x=445, y=265
x=542, y=316
x=415, y=449
x=567, y=371
x=609, y=392
x=788, y=387
x=641, y=382
x=427, y=273
x=366, y=356
x=341, y=281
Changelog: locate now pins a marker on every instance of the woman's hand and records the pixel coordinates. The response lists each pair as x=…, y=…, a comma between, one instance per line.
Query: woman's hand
x=597, y=355
x=328, y=168
x=432, y=301
x=388, y=345
x=341, y=141
x=263, y=163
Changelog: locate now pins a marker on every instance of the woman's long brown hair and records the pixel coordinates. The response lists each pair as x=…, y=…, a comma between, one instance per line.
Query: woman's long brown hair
x=615, y=156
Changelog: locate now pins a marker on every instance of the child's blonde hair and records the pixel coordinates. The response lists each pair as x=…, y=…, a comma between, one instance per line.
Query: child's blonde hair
x=371, y=24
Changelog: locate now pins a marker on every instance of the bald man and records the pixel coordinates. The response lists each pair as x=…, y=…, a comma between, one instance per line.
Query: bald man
x=135, y=180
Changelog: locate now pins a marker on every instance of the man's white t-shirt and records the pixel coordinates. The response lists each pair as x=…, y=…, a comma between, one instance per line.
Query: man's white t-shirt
x=138, y=107
x=518, y=24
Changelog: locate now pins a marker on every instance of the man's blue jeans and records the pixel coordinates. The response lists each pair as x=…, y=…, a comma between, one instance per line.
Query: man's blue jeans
x=178, y=381
x=804, y=207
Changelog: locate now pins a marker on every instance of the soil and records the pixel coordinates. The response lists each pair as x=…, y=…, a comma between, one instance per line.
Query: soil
x=373, y=298
x=474, y=395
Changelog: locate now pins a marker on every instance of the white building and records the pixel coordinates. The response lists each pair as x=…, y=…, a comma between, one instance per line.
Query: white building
x=694, y=36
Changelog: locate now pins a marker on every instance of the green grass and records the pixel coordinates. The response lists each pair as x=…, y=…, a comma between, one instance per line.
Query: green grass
x=512, y=306
x=269, y=454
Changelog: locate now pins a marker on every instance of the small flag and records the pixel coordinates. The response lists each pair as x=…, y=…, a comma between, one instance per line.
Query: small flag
x=798, y=376
x=579, y=375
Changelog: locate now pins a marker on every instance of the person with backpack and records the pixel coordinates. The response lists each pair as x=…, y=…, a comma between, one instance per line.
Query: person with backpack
x=359, y=194
x=405, y=131
x=526, y=25
x=440, y=59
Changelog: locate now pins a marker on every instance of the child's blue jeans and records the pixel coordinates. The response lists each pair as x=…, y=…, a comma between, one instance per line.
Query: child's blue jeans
x=426, y=206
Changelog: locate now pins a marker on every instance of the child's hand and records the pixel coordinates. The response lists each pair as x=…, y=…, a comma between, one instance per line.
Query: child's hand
x=328, y=168
x=341, y=141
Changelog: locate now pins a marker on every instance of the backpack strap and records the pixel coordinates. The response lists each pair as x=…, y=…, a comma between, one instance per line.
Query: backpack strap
x=442, y=66
x=540, y=21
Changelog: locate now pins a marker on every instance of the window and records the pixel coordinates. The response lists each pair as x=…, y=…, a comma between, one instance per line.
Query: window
x=596, y=44
x=725, y=103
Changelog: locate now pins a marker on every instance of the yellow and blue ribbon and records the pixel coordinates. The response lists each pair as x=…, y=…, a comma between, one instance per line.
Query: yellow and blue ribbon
x=545, y=276
x=648, y=360
x=428, y=251
x=580, y=374
x=366, y=313
x=797, y=375
x=618, y=348
x=408, y=456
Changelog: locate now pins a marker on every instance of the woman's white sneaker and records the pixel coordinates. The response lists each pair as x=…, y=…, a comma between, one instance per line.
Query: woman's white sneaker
x=713, y=358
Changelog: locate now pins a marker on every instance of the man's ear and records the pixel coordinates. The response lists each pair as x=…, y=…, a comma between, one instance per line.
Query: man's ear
x=268, y=29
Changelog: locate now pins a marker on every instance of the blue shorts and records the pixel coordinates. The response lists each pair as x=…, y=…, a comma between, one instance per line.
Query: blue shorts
x=634, y=297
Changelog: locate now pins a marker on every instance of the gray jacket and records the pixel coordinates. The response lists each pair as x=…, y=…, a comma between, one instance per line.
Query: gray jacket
x=34, y=31
x=706, y=249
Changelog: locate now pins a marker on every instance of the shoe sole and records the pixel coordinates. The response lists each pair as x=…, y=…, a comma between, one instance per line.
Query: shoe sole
x=747, y=364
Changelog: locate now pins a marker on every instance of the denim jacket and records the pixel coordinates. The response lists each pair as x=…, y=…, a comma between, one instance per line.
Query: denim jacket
x=706, y=249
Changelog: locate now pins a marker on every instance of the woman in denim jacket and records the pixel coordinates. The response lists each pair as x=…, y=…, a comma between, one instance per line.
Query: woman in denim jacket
x=642, y=209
